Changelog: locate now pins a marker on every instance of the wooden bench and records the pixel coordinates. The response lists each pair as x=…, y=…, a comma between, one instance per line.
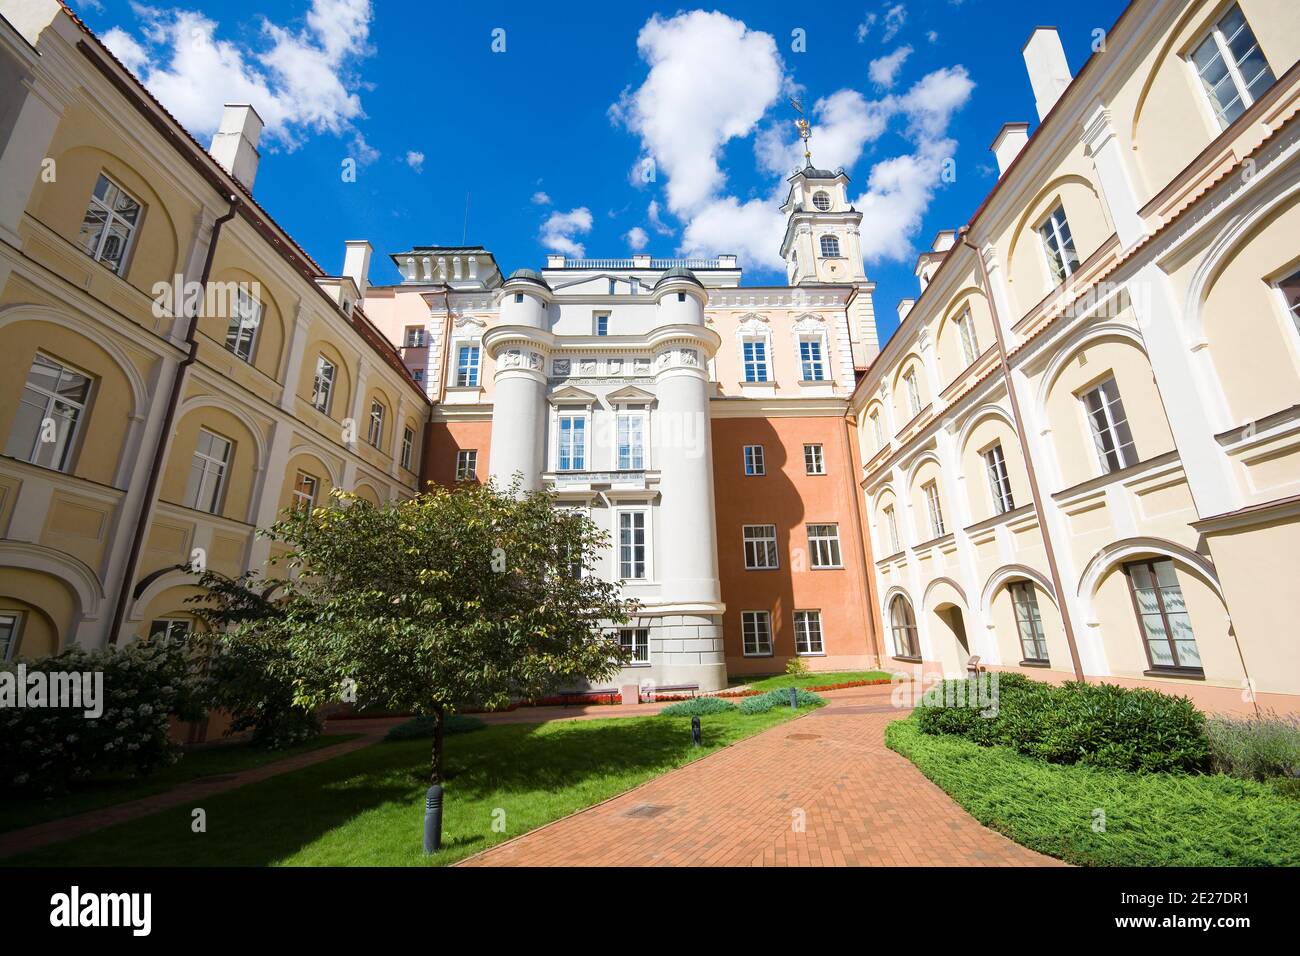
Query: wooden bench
x=658, y=689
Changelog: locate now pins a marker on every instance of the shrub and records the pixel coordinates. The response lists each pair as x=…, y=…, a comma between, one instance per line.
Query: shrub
x=698, y=707
x=253, y=680
x=778, y=698
x=1099, y=725
x=797, y=667
x=1256, y=748
x=419, y=727
x=144, y=685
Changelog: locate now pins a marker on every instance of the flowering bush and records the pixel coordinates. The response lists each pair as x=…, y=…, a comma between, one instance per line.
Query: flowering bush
x=46, y=748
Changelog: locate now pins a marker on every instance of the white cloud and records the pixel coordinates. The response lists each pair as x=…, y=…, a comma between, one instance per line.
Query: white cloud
x=541, y=199
x=751, y=230
x=415, y=159
x=865, y=27
x=300, y=80
x=884, y=70
x=843, y=124
x=656, y=220
x=711, y=80
x=895, y=18
x=637, y=239
x=932, y=36
x=560, y=228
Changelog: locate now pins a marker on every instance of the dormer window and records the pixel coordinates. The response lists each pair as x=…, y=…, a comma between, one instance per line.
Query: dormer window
x=822, y=200
x=602, y=325
x=830, y=246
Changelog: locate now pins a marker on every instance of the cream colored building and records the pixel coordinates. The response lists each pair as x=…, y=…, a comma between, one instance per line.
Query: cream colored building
x=1081, y=449
x=124, y=462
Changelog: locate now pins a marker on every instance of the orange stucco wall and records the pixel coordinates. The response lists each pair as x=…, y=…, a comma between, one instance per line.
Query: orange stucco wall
x=789, y=498
x=442, y=440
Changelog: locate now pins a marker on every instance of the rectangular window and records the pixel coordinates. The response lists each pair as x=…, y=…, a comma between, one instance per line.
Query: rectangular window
x=408, y=447
x=824, y=545
x=754, y=461
x=760, y=547
x=1110, y=429
x=304, y=491
x=1290, y=287
x=631, y=441
x=10, y=623
x=756, y=633
x=207, y=473
x=999, y=482
x=467, y=359
x=417, y=375
x=109, y=224
x=323, y=387
x=932, y=506
x=1059, y=244
x=1231, y=66
x=467, y=464
x=810, y=360
x=1162, y=615
x=632, y=545
x=414, y=338
x=49, y=414
x=241, y=334
x=913, y=393
x=602, y=325
x=636, y=641
x=814, y=461
x=970, y=349
x=1029, y=623
x=891, y=525
x=755, y=360
x=573, y=443
x=170, y=628
x=808, y=632
x=877, y=430
x=375, y=431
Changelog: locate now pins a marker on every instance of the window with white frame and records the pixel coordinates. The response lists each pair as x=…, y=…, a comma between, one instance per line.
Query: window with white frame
x=467, y=464
x=1290, y=289
x=821, y=200
x=891, y=526
x=49, y=415
x=633, y=545
x=811, y=366
x=241, y=334
x=1231, y=66
x=995, y=463
x=572, y=441
x=170, y=628
x=808, y=632
x=760, y=547
x=824, y=545
x=902, y=623
x=375, y=430
x=109, y=226
x=414, y=338
x=933, y=508
x=814, y=460
x=755, y=354
x=636, y=641
x=305, y=487
x=208, y=467
x=830, y=247
x=877, y=430
x=756, y=633
x=970, y=348
x=1058, y=243
x=1162, y=614
x=601, y=324
x=1029, y=622
x=1110, y=431
x=631, y=439
x=467, y=362
x=408, y=447
x=913, y=392
x=322, y=392
x=11, y=623
x=754, y=461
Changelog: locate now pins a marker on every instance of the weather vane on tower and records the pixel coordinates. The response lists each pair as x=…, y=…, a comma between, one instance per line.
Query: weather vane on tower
x=805, y=130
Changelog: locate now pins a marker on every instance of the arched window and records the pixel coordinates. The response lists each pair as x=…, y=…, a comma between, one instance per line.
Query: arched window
x=822, y=200
x=830, y=247
x=903, y=623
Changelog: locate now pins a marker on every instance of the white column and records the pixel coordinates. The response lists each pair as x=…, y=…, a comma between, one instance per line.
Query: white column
x=1117, y=191
x=518, y=411
x=297, y=348
x=359, y=413
x=22, y=161
x=1001, y=298
x=926, y=343
x=266, y=502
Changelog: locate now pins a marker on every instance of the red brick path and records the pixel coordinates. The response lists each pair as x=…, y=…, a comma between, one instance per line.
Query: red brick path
x=860, y=804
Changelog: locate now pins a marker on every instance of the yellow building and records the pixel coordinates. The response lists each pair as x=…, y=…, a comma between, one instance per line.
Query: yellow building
x=175, y=370
x=1082, y=446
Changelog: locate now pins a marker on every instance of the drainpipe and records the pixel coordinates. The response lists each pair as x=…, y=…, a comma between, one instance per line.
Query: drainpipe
x=169, y=418
x=1062, y=605
x=849, y=441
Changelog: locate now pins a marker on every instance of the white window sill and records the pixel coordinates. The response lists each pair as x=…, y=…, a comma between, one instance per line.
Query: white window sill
x=463, y=394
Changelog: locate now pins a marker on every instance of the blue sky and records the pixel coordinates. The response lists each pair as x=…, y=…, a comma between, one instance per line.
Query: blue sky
x=555, y=136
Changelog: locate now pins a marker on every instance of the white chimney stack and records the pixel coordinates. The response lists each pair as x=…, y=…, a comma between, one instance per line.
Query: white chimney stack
x=356, y=263
x=235, y=144
x=1049, y=74
x=1010, y=141
x=904, y=307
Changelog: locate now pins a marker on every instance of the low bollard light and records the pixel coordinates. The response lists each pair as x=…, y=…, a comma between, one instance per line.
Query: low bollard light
x=794, y=699
x=433, y=819
x=695, y=731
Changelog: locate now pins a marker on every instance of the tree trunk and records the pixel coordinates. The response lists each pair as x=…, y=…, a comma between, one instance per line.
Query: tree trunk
x=435, y=762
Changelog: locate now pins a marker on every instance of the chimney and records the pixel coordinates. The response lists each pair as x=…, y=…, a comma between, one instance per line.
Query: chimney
x=356, y=263
x=1049, y=74
x=235, y=144
x=904, y=307
x=1010, y=141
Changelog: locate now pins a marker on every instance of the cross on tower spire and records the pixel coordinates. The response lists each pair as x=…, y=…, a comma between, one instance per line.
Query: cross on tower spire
x=805, y=130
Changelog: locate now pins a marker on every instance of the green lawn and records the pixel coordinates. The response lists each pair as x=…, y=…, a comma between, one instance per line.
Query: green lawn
x=815, y=680
x=198, y=762
x=366, y=808
x=1149, y=820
